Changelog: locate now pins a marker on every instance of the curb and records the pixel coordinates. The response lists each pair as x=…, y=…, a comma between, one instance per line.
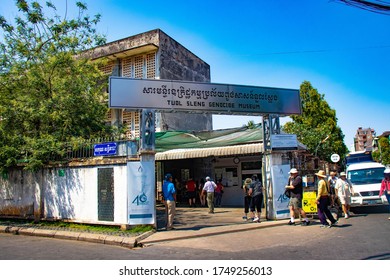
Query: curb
x=140, y=240
x=128, y=242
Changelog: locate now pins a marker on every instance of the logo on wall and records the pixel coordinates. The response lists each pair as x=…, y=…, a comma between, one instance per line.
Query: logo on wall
x=141, y=199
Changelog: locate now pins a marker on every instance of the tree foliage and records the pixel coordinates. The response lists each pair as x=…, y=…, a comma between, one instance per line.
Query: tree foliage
x=47, y=95
x=317, y=126
x=382, y=154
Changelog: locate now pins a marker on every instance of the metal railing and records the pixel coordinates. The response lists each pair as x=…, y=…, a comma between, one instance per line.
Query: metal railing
x=87, y=149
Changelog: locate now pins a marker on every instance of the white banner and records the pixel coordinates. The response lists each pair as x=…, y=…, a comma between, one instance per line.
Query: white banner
x=141, y=193
x=280, y=176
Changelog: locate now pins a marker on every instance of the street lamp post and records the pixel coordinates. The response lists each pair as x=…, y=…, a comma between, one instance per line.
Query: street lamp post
x=321, y=142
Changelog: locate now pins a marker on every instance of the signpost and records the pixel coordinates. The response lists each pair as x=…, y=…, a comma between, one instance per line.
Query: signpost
x=166, y=95
x=335, y=158
x=105, y=149
x=284, y=142
x=149, y=95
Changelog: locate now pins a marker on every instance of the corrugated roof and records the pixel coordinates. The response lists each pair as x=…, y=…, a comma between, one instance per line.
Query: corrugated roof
x=169, y=140
x=175, y=154
x=173, y=145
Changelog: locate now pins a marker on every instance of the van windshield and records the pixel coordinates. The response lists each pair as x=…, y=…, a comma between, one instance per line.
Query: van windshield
x=366, y=176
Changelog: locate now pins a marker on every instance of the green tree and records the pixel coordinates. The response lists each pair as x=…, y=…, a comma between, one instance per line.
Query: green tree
x=251, y=124
x=48, y=94
x=382, y=154
x=317, y=126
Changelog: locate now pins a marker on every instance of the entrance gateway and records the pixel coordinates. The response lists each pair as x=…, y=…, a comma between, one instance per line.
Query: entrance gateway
x=151, y=95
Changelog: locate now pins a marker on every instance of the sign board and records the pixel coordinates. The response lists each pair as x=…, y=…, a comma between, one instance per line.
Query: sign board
x=335, y=158
x=309, y=204
x=284, y=141
x=141, y=193
x=279, y=180
x=175, y=96
x=105, y=149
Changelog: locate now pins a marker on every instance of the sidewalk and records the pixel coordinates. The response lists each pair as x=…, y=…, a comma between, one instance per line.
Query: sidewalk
x=189, y=223
x=196, y=222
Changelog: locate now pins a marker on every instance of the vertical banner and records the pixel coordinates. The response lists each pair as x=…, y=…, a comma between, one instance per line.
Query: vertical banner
x=280, y=176
x=141, y=193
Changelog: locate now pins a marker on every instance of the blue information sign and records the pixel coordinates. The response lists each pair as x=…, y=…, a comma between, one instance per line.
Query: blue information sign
x=104, y=149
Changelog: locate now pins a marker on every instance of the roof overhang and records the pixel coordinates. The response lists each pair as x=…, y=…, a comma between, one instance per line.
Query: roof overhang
x=98, y=54
x=175, y=154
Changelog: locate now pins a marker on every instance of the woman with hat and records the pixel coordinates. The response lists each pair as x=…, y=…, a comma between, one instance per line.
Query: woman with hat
x=247, y=197
x=323, y=201
x=343, y=192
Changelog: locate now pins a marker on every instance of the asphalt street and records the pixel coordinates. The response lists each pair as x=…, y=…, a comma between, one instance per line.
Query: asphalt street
x=362, y=237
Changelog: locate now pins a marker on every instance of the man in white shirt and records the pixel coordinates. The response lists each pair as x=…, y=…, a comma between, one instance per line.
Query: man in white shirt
x=209, y=188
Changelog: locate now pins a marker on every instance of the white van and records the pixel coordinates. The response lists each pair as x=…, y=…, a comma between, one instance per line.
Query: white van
x=366, y=178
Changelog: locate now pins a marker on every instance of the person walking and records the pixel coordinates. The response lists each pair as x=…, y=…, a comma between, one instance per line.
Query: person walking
x=209, y=189
x=256, y=192
x=385, y=186
x=343, y=193
x=202, y=196
x=169, y=193
x=191, y=192
x=218, y=193
x=247, y=197
x=332, y=183
x=294, y=185
x=323, y=201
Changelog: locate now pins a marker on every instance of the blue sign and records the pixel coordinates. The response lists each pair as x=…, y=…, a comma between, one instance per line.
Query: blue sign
x=104, y=149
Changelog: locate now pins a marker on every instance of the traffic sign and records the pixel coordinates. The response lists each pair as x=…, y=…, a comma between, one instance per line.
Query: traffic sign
x=335, y=158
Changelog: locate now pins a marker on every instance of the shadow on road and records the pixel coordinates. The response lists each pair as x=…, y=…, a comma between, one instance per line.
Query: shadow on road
x=385, y=256
x=364, y=210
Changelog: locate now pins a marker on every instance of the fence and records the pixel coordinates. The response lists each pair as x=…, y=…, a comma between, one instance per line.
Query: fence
x=88, y=149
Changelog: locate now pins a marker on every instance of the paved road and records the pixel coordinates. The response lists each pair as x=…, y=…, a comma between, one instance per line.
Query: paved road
x=364, y=236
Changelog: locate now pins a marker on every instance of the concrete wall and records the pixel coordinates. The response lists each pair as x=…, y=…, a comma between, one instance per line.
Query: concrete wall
x=175, y=62
x=61, y=193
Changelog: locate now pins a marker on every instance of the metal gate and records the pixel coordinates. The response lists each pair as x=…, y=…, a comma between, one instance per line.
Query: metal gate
x=106, y=194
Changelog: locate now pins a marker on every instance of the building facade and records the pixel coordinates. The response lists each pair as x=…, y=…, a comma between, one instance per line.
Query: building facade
x=153, y=55
x=96, y=190
x=364, y=139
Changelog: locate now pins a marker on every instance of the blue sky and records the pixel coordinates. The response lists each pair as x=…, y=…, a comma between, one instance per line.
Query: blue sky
x=343, y=51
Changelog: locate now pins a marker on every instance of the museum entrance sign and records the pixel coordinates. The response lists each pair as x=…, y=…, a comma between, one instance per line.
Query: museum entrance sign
x=175, y=96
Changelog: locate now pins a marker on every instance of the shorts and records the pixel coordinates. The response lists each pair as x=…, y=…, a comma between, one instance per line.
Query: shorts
x=345, y=200
x=295, y=202
x=191, y=195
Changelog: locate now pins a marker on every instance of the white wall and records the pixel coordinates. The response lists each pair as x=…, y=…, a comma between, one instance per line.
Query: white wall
x=73, y=196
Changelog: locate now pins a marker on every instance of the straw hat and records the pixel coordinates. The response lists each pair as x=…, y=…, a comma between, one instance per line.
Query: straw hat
x=321, y=173
x=342, y=174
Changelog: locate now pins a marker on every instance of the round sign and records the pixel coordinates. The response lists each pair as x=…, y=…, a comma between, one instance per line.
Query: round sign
x=335, y=158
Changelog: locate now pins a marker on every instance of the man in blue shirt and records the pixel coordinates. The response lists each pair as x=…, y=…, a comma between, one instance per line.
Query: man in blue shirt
x=169, y=193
